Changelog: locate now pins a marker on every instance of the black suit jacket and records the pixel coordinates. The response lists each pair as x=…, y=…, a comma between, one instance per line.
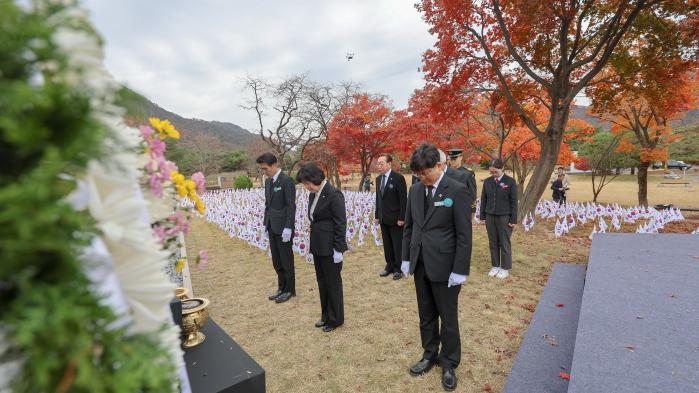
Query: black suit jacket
x=499, y=200
x=443, y=236
x=464, y=178
x=280, y=204
x=390, y=205
x=471, y=182
x=329, y=224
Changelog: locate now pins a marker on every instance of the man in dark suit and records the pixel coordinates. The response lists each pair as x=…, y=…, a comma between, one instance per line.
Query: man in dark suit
x=326, y=211
x=437, y=243
x=279, y=219
x=499, y=211
x=391, y=196
x=456, y=162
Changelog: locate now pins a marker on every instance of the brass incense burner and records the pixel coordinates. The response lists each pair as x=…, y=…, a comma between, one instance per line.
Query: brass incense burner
x=181, y=293
x=195, y=313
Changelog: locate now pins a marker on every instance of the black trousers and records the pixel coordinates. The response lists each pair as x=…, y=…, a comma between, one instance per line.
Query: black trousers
x=392, y=236
x=330, y=290
x=436, y=302
x=499, y=234
x=283, y=262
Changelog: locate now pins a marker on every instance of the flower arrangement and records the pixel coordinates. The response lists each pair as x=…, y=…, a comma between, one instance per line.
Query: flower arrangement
x=82, y=202
x=171, y=190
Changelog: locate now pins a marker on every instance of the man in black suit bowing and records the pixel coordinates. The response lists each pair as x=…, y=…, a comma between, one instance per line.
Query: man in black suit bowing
x=279, y=219
x=437, y=250
x=499, y=211
x=391, y=196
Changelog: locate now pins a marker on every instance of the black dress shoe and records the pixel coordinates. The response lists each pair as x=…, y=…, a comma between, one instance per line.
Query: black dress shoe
x=328, y=328
x=421, y=367
x=320, y=324
x=283, y=297
x=397, y=276
x=448, y=379
x=384, y=273
x=274, y=295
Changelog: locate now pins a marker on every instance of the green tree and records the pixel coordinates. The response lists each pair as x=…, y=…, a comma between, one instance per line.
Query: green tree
x=242, y=181
x=234, y=160
x=602, y=156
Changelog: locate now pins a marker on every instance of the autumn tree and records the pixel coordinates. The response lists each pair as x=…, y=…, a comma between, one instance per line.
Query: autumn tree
x=643, y=90
x=494, y=130
x=547, y=51
x=359, y=131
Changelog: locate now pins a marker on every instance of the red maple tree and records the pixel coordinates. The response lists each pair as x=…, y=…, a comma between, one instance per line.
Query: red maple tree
x=640, y=93
x=359, y=131
x=544, y=51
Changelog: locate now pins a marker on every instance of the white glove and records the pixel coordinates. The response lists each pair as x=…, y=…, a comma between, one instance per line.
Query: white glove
x=405, y=268
x=337, y=256
x=456, y=279
x=286, y=235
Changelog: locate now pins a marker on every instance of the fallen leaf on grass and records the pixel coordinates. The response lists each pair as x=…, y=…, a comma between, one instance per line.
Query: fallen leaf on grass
x=487, y=388
x=564, y=375
x=631, y=348
x=560, y=305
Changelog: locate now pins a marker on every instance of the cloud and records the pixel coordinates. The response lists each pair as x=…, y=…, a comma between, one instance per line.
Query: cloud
x=190, y=56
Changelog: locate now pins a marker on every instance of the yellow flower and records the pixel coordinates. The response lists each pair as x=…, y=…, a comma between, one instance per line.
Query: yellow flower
x=180, y=265
x=165, y=128
x=199, y=205
x=177, y=177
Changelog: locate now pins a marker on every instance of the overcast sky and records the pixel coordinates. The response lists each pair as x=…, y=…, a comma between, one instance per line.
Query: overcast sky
x=190, y=56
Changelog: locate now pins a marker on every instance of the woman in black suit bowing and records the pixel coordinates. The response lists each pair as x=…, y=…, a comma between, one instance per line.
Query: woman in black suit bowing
x=326, y=210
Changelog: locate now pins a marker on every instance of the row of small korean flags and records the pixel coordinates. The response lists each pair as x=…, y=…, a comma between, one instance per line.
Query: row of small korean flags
x=603, y=218
x=240, y=213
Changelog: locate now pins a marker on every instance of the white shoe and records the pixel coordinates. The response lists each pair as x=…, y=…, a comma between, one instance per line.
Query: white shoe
x=503, y=274
x=494, y=272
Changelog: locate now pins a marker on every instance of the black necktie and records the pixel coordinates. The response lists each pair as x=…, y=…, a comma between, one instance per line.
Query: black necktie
x=428, y=199
x=382, y=183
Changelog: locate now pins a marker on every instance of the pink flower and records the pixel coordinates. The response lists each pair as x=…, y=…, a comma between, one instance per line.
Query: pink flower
x=156, y=185
x=146, y=131
x=203, y=259
x=200, y=181
x=159, y=232
x=157, y=148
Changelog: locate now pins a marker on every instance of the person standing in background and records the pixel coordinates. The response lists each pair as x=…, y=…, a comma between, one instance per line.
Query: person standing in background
x=279, y=219
x=456, y=158
x=326, y=211
x=499, y=211
x=559, y=192
x=391, y=196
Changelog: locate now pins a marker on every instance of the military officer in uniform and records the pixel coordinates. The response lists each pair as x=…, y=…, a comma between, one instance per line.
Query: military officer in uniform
x=456, y=162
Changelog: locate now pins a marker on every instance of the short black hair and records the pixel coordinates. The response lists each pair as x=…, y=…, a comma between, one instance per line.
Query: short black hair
x=389, y=158
x=310, y=172
x=266, y=158
x=425, y=156
x=497, y=163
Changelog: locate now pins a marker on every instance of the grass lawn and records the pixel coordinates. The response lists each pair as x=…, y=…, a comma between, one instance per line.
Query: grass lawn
x=380, y=338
